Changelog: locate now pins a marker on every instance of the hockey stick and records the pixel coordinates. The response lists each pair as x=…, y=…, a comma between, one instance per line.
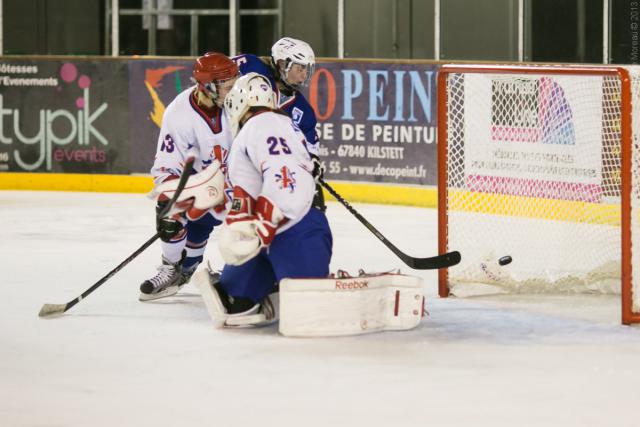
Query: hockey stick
x=440, y=261
x=55, y=309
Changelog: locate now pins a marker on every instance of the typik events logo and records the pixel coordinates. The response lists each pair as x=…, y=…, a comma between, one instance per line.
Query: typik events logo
x=51, y=132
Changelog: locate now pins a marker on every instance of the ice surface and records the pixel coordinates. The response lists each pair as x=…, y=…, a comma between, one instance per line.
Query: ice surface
x=114, y=361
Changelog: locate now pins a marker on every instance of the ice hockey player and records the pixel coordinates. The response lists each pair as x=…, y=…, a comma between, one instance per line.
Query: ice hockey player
x=271, y=231
x=289, y=69
x=194, y=123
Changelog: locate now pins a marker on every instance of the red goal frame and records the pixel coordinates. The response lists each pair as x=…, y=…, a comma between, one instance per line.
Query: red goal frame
x=626, y=144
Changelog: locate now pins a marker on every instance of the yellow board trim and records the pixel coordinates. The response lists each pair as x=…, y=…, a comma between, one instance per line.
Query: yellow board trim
x=426, y=197
x=532, y=207
x=75, y=182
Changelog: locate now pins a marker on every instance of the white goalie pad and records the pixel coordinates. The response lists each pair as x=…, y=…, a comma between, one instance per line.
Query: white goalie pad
x=217, y=312
x=349, y=306
x=206, y=188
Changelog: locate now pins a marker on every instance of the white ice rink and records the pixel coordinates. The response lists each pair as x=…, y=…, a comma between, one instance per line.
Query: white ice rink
x=114, y=361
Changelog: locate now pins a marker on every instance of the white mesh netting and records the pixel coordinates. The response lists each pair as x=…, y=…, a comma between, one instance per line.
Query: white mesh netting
x=534, y=173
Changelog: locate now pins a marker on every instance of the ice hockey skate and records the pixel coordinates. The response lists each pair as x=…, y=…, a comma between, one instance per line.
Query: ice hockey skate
x=167, y=282
x=227, y=311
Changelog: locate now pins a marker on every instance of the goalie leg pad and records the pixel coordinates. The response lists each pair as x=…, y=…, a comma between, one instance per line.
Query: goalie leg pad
x=350, y=306
x=205, y=281
x=222, y=312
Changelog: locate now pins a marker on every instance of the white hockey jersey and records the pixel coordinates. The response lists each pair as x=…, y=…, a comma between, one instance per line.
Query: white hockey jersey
x=269, y=158
x=188, y=130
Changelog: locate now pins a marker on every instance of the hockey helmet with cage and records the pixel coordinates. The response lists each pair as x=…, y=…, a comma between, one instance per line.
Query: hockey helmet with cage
x=212, y=69
x=292, y=51
x=250, y=90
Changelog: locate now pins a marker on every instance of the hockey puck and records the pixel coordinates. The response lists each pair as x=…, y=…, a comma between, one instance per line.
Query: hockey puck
x=505, y=260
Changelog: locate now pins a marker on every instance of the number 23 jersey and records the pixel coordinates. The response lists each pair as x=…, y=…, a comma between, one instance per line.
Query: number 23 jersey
x=269, y=158
x=187, y=129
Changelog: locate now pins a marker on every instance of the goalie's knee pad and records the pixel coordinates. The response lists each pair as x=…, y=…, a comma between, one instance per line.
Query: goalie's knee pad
x=352, y=305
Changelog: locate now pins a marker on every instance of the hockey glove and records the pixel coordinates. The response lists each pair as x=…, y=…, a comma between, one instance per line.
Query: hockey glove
x=318, y=168
x=169, y=228
x=246, y=233
x=318, y=174
x=269, y=218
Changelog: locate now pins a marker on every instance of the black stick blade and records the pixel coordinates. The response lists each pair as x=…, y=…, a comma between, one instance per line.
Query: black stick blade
x=440, y=261
x=52, y=310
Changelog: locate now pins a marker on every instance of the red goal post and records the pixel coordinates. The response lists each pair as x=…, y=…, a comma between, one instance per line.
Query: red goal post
x=528, y=156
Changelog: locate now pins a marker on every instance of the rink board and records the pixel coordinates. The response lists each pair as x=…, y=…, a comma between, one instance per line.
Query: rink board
x=353, y=192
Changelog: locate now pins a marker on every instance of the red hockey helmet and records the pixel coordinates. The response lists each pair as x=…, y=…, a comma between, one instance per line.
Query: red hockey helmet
x=211, y=69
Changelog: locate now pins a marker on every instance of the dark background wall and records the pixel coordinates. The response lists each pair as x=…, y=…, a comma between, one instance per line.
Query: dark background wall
x=555, y=30
x=565, y=31
x=482, y=30
x=53, y=27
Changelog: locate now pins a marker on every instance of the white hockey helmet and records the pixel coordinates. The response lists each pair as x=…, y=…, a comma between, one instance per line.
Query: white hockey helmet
x=250, y=90
x=293, y=51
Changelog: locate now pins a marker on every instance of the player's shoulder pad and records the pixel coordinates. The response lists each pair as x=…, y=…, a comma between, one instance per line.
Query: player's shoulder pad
x=178, y=112
x=248, y=63
x=308, y=118
x=303, y=102
x=180, y=101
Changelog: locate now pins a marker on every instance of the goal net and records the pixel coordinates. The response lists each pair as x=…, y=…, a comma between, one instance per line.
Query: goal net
x=540, y=163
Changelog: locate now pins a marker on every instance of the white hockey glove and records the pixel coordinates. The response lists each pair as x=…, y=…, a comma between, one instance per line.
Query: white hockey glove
x=203, y=191
x=248, y=230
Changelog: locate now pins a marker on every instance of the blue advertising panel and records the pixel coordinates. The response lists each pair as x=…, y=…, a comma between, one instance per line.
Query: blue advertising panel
x=377, y=121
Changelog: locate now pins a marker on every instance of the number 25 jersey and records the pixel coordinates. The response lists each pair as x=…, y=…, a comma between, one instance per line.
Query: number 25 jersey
x=269, y=158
